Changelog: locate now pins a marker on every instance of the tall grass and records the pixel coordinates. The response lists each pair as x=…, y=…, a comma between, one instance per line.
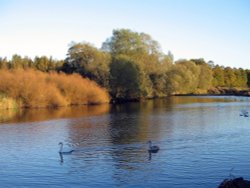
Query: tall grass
x=7, y=102
x=32, y=88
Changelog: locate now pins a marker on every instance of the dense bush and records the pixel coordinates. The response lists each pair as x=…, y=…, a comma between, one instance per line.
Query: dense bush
x=32, y=88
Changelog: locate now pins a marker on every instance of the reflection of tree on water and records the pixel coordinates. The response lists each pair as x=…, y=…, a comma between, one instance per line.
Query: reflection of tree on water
x=121, y=135
x=42, y=114
x=8, y=114
x=91, y=127
x=138, y=121
x=124, y=123
x=131, y=126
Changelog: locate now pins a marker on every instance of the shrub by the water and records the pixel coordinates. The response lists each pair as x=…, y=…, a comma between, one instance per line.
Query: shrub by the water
x=32, y=88
x=7, y=102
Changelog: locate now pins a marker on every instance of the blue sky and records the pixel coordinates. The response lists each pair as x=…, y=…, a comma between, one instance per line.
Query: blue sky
x=217, y=30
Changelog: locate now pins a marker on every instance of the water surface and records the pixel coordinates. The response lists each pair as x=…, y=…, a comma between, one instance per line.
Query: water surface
x=202, y=141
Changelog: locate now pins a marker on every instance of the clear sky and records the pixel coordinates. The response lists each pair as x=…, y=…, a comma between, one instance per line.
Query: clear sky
x=217, y=30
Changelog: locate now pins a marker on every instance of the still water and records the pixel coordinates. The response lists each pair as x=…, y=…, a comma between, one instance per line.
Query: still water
x=202, y=141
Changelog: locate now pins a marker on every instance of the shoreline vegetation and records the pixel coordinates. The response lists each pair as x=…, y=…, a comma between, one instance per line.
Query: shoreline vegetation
x=130, y=66
x=220, y=91
x=35, y=89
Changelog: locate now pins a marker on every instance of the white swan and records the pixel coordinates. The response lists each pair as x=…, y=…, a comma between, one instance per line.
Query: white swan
x=244, y=113
x=61, y=149
x=152, y=149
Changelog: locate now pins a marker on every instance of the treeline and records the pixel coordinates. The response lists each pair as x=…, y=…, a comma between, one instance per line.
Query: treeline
x=132, y=66
x=33, y=88
x=42, y=63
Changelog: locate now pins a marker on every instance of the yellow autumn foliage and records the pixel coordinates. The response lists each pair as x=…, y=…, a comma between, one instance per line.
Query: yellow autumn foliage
x=32, y=88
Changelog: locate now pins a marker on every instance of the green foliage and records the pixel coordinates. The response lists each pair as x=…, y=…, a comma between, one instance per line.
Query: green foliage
x=248, y=77
x=127, y=42
x=124, y=78
x=44, y=64
x=205, y=77
x=241, y=78
x=184, y=77
x=85, y=59
x=146, y=54
x=17, y=62
x=218, y=76
x=229, y=76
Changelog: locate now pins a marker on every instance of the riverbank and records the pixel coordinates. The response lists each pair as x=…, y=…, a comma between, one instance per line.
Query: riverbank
x=12, y=103
x=220, y=91
x=230, y=91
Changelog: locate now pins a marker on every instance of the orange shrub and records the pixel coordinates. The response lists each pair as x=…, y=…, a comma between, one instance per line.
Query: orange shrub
x=38, y=89
x=77, y=90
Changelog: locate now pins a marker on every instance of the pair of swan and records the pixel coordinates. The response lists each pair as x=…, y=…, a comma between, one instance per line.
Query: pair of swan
x=151, y=149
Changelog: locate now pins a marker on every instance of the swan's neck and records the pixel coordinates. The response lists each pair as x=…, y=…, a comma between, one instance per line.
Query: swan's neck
x=61, y=148
x=149, y=144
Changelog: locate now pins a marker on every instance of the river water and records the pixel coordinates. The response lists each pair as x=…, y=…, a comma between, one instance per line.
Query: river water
x=202, y=141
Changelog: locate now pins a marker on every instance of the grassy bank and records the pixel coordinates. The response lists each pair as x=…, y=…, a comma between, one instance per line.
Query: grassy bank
x=31, y=88
x=230, y=91
x=220, y=91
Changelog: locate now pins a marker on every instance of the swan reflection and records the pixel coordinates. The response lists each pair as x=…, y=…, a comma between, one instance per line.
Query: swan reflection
x=61, y=158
